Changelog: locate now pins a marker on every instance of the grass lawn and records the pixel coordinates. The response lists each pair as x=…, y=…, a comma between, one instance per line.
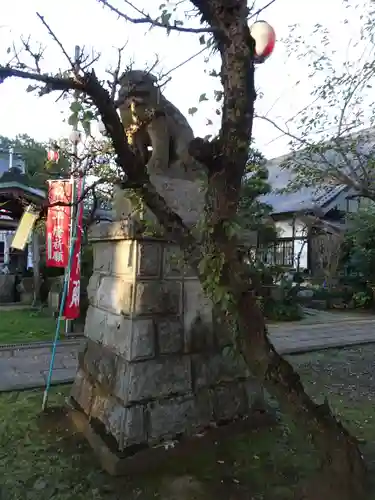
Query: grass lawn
x=26, y=325
x=38, y=462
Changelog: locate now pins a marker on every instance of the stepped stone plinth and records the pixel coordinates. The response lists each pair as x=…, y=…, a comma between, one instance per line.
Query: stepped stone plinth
x=154, y=367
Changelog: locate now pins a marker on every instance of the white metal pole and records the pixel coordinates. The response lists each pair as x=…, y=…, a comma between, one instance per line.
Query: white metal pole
x=74, y=166
x=11, y=151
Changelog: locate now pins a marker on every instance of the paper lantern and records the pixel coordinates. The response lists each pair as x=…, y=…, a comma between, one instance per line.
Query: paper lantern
x=53, y=155
x=265, y=39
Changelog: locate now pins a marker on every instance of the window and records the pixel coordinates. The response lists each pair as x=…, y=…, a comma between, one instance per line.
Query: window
x=284, y=253
x=280, y=254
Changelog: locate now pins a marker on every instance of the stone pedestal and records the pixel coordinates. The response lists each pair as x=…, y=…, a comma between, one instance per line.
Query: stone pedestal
x=182, y=194
x=7, y=288
x=154, y=367
x=26, y=290
x=55, y=293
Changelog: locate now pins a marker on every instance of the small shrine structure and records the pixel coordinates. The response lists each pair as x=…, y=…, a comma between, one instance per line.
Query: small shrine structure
x=16, y=195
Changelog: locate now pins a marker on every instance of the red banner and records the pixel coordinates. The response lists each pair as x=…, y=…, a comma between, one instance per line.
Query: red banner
x=72, y=303
x=57, y=226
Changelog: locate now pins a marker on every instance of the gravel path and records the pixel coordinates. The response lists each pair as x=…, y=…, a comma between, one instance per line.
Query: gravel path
x=346, y=372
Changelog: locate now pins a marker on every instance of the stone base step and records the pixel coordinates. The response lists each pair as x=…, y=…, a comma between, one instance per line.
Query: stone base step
x=153, y=457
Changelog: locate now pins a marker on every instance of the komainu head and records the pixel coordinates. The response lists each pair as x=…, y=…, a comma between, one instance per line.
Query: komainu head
x=137, y=85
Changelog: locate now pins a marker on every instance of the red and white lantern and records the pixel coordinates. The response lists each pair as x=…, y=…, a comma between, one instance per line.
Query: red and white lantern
x=53, y=155
x=265, y=39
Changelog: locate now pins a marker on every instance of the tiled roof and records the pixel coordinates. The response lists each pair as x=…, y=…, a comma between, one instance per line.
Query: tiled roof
x=308, y=198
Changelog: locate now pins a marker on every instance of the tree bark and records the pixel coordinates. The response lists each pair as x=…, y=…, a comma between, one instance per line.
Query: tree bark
x=343, y=472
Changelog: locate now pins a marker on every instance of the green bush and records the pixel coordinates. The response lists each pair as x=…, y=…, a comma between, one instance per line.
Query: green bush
x=362, y=300
x=285, y=308
x=359, y=247
x=279, y=311
x=343, y=292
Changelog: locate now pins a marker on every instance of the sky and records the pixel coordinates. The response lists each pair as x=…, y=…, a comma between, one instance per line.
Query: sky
x=88, y=24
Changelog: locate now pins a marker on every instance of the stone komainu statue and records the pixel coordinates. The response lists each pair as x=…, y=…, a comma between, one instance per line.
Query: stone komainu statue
x=150, y=120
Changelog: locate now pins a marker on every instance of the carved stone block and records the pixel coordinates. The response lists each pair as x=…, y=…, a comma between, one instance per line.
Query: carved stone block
x=170, y=334
x=172, y=417
x=103, y=257
x=158, y=379
x=115, y=295
x=215, y=368
x=155, y=298
x=149, y=259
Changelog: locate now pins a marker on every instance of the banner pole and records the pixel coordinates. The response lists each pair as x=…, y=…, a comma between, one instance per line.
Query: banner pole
x=74, y=167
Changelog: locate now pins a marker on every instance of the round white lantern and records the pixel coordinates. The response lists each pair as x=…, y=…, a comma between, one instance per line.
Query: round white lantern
x=75, y=137
x=265, y=39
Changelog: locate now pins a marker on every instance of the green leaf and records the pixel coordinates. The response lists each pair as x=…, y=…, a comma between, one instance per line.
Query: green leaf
x=76, y=107
x=233, y=229
x=192, y=111
x=8, y=50
x=162, y=6
x=218, y=94
x=202, y=98
x=202, y=40
x=165, y=17
x=73, y=120
x=88, y=115
x=202, y=266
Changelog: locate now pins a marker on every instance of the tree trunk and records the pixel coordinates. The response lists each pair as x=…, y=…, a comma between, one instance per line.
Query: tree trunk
x=343, y=472
x=36, y=267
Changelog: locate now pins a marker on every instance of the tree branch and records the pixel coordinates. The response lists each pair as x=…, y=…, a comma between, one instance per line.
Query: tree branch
x=36, y=56
x=335, y=172
x=259, y=11
x=135, y=170
x=147, y=19
x=53, y=82
x=232, y=37
x=116, y=72
x=54, y=37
